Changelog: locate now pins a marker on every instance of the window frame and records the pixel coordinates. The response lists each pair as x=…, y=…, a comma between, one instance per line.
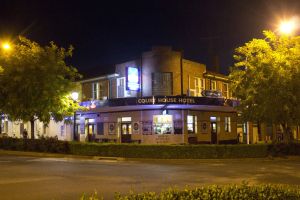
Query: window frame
x=227, y=90
x=227, y=124
x=211, y=85
x=95, y=90
x=193, y=123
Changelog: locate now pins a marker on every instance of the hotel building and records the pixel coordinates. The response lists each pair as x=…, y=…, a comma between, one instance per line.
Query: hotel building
x=158, y=98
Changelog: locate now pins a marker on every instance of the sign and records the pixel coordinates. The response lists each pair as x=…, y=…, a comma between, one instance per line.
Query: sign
x=166, y=100
x=92, y=104
x=211, y=93
x=162, y=139
x=111, y=127
x=132, y=78
x=152, y=100
x=204, y=127
x=136, y=127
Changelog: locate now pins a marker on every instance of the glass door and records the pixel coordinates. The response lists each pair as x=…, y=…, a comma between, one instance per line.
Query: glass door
x=126, y=132
x=213, y=128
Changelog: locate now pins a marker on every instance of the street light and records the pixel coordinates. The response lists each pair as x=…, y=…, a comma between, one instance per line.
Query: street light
x=287, y=27
x=6, y=46
x=74, y=96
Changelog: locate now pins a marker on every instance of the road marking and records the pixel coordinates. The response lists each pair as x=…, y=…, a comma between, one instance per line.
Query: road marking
x=5, y=161
x=24, y=180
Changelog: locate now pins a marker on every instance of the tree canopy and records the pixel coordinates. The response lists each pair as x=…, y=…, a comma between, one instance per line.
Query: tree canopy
x=36, y=82
x=266, y=79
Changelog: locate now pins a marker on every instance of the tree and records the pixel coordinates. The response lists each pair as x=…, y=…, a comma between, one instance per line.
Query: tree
x=36, y=82
x=266, y=80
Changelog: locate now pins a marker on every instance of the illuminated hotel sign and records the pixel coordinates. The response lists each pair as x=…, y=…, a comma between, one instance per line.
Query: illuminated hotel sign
x=166, y=100
x=160, y=100
x=132, y=79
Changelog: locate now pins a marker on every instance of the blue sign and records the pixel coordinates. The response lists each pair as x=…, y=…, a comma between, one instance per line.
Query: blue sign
x=132, y=78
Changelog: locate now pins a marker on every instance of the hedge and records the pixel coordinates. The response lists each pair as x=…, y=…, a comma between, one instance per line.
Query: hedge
x=170, y=151
x=232, y=192
x=53, y=145
x=47, y=145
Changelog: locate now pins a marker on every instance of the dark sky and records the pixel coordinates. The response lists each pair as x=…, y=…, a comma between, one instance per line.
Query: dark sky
x=109, y=32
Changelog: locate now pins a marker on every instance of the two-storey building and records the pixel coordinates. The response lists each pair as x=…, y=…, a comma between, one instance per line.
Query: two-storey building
x=160, y=97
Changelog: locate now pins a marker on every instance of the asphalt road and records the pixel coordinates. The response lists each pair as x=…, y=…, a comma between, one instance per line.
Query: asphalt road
x=66, y=178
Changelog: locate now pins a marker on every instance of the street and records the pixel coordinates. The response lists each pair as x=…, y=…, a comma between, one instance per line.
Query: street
x=68, y=178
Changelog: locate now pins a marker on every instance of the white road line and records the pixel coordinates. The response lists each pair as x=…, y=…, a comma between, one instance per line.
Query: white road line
x=5, y=161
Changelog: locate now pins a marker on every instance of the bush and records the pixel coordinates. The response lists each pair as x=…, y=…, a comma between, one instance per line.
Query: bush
x=232, y=192
x=169, y=151
x=44, y=144
x=53, y=145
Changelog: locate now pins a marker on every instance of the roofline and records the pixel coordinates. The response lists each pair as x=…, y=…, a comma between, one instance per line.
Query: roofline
x=216, y=75
x=108, y=76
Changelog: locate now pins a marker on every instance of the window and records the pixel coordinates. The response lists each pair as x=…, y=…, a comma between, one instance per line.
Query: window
x=121, y=87
x=213, y=85
x=95, y=90
x=192, y=124
x=163, y=124
x=162, y=83
x=147, y=127
x=3, y=125
x=227, y=124
x=225, y=90
x=101, y=89
x=199, y=86
x=100, y=128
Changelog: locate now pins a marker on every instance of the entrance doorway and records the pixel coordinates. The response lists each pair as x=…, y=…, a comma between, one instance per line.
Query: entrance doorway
x=91, y=132
x=214, y=135
x=125, y=132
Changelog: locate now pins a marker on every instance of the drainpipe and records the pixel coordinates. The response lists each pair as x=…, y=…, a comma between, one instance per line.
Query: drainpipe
x=181, y=72
x=141, y=89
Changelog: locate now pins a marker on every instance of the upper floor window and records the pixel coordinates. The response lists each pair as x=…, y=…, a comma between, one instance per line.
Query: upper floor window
x=121, y=87
x=102, y=91
x=199, y=86
x=213, y=85
x=162, y=83
x=225, y=90
x=95, y=90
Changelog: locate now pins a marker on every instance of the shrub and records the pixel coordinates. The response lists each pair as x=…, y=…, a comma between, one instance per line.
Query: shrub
x=53, y=145
x=232, y=192
x=44, y=144
x=169, y=151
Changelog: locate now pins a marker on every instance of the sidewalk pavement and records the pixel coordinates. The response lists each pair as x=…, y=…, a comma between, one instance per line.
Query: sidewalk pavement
x=72, y=156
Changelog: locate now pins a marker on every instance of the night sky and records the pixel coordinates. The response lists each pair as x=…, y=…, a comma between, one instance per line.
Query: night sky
x=110, y=32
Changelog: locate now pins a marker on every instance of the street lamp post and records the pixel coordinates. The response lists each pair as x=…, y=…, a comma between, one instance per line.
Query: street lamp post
x=74, y=96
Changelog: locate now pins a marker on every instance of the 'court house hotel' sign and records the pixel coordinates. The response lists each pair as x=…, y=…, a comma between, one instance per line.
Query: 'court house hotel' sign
x=166, y=100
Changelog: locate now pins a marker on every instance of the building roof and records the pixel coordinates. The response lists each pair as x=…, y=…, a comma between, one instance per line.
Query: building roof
x=98, y=78
x=215, y=75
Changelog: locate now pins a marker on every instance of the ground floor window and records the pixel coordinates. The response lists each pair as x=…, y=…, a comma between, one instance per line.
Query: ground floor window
x=100, y=128
x=4, y=126
x=178, y=127
x=163, y=124
x=147, y=127
x=227, y=124
x=192, y=124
